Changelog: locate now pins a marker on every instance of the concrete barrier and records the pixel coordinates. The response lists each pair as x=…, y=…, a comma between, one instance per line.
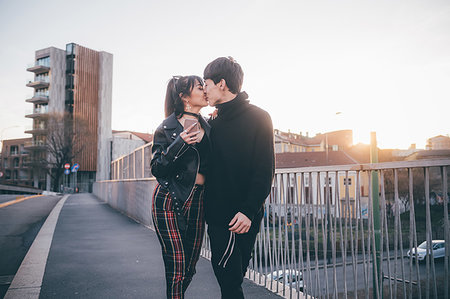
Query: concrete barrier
x=131, y=197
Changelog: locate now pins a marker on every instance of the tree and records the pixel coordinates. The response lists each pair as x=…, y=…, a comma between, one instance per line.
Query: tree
x=61, y=144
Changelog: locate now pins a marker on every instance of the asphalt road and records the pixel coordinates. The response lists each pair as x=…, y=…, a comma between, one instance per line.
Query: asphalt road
x=19, y=225
x=8, y=197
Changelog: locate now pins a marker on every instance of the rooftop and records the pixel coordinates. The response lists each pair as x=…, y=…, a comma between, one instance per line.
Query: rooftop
x=310, y=159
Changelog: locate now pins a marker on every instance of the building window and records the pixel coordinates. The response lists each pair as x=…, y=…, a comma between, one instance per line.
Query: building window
x=8, y=175
x=70, y=49
x=39, y=124
x=330, y=181
x=14, y=150
x=41, y=92
x=16, y=162
x=23, y=175
x=42, y=77
x=41, y=108
x=23, y=151
x=5, y=163
x=347, y=181
x=45, y=61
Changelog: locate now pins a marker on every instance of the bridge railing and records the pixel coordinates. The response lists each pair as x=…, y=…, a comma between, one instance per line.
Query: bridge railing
x=322, y=236
x=322, y=229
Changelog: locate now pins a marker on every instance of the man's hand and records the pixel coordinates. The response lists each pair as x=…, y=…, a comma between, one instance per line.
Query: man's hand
x=240, y=224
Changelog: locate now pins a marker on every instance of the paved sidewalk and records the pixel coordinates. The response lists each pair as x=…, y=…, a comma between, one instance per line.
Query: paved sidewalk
x=97, y=252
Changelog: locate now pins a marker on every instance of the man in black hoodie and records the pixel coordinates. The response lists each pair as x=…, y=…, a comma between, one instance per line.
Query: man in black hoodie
x=239, y=179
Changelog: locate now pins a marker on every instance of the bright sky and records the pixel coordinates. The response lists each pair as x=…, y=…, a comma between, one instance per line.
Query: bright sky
x=385, y=65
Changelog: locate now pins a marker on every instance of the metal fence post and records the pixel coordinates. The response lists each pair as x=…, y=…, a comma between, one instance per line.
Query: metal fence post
x=376, y=218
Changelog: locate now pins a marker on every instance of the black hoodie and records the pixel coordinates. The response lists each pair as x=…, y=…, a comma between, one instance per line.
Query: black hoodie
x=242, y=161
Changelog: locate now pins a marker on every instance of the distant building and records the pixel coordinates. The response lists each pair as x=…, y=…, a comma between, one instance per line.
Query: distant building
x=429, y=155
x=76, y=81
x=312, y=159
x=438, y=143
x=401, y=154
x=338, y=182
x=124, y=142
x=15, y=163
x=361, y=153
x=287, y=142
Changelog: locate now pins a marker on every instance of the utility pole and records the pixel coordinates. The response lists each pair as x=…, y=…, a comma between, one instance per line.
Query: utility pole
x=376, y=217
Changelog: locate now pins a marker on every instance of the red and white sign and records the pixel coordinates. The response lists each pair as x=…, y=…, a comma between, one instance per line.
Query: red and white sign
x=67, y=166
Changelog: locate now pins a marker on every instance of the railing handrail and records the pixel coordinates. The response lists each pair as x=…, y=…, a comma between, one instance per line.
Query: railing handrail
x=135, y=150
x=369, y=166
x=127, y=180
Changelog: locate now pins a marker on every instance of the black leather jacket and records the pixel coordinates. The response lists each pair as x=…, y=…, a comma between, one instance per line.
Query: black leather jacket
x=175, y=164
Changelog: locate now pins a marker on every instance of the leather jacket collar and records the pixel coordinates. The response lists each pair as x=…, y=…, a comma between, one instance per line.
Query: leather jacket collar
x=171, y=123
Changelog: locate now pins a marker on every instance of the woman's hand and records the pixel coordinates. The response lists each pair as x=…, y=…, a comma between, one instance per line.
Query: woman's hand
x=188, y=136
x=214, y=114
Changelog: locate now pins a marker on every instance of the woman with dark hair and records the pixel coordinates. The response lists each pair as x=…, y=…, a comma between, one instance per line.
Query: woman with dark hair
x=180, y=155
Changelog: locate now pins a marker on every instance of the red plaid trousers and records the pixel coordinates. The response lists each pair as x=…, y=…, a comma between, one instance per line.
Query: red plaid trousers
x=180, y=249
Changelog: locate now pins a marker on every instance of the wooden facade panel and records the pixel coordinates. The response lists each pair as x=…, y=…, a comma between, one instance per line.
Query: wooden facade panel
x=85, y=108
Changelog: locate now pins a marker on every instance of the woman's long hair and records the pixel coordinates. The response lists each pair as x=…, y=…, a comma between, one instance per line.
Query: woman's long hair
x=179, y=85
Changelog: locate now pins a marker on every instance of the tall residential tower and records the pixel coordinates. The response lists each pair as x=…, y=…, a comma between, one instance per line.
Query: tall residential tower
x=77, y=83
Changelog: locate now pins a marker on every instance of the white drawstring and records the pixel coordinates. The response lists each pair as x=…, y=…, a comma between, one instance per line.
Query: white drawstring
x=231, y=242
x=231, y=252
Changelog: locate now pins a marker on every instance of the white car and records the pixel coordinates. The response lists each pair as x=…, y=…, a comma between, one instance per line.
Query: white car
x=438, y=250
x=288, y=277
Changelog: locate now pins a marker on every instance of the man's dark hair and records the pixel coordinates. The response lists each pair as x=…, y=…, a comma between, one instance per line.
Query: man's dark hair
x=228, y=69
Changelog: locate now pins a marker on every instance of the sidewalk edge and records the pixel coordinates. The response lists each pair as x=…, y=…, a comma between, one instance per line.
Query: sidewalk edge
x=28, y=280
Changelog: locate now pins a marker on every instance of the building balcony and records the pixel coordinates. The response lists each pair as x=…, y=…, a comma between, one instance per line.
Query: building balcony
x=38, y=69
x=35, y=145
x=38, y=99
x=39, y=112
x=38, y=84
x=41, y=163
x=37, y=131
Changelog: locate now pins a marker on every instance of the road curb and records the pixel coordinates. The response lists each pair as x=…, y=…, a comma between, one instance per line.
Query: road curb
x=27, y=282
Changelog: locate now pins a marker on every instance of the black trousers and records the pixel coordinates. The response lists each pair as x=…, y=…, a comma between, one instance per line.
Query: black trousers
x=231, y=254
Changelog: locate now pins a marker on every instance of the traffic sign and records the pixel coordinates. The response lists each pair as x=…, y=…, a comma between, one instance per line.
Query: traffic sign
x=1, y=174
x=67, y=166
x=75, y=167
x=67, y=171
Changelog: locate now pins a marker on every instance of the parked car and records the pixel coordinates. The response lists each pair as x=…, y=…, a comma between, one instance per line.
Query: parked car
x=290, y=278
x=438, y=250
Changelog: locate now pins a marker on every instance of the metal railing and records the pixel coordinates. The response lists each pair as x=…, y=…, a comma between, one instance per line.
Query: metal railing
x=325, y=237
x=40, y=110
x=319, y=228
x=135, y=165
x=34, y=143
